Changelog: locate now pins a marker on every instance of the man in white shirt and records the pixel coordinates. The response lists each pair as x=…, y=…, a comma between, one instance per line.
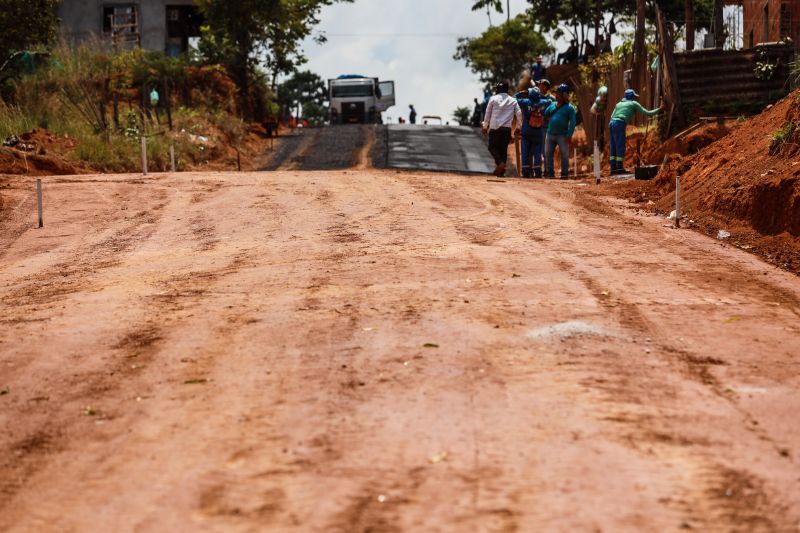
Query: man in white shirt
x=500, y=114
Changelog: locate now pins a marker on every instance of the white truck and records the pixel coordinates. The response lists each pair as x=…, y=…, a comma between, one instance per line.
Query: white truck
x=358, y=99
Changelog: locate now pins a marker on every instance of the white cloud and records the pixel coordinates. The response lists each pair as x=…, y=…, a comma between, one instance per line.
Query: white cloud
x=409, y=41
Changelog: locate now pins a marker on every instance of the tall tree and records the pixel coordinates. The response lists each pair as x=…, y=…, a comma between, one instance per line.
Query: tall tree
x=462, y=115
x=489, y=5
x=690, y=25
x=501, y=51
x=303, y=94
x=245, y=31
x=639, y=46
x=577, y=17
x=25, y=25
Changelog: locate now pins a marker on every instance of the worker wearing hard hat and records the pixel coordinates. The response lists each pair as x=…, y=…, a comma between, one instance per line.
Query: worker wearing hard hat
x=533, y=106
x=561, y=118
x=620, y=118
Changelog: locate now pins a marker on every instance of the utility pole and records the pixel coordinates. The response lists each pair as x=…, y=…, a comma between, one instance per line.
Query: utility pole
x=508, y=10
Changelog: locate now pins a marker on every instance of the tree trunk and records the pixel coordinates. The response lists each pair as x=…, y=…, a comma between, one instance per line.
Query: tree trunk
x=719, y=35
x=690, y=26
x=598, y=22
x=640, y=48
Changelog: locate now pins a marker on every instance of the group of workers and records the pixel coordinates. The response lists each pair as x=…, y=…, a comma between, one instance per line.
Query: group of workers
x=542, y=121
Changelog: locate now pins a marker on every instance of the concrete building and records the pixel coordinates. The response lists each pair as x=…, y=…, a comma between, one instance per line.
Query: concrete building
x=163, y=25
x=769, y=21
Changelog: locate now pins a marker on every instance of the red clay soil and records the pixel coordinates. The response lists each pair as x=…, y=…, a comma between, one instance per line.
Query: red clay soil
x=653, y=150
x=740, y=184
x=19, y=162
x=42, y=153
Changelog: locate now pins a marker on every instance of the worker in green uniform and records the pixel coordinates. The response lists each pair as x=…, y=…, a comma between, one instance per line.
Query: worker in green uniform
x=620, y=118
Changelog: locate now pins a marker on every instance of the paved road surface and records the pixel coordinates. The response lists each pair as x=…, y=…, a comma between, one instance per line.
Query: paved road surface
x=326, y=148
x=443, y=148
x=385, y=351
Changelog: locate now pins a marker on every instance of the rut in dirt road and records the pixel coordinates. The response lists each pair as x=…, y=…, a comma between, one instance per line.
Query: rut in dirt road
x=382, y=351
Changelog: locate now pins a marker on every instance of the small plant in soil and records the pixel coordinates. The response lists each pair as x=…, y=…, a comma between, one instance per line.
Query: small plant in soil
x=781, y=137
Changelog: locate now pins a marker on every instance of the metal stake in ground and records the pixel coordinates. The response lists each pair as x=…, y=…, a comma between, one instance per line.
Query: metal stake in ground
x=39, y=201
x=172, y=157
x=596, y=157
x=144, y=155
x=677, y=201
x=575, y=158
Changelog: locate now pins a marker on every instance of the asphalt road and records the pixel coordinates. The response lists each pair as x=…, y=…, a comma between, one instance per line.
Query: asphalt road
x=458, y=149
x=439, y=148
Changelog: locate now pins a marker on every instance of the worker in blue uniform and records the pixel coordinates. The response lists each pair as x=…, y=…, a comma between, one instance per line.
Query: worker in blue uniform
x=533, y=106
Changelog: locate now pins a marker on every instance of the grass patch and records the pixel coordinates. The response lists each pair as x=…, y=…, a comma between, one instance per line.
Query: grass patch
x=782, y=137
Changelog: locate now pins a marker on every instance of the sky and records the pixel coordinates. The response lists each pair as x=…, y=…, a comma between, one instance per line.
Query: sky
x=409, y=41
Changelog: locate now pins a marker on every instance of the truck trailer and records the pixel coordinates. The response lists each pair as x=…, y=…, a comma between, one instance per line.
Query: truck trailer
x=356, y=99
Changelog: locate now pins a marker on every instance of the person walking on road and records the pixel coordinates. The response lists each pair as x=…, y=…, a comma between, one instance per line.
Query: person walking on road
x=560, y=127
x=532, y=106
x=412, y=115
x=538, y=70
x=620, y=118
x=497, y=124
x=477, y=115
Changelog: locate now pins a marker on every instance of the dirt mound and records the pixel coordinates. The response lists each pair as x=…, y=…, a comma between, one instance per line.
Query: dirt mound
x=645, y=143
x=38, y=153
x=747, y=182
x=20, y=162
x=750, y=177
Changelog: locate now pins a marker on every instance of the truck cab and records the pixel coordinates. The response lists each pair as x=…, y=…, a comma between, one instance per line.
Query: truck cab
x=356, y=99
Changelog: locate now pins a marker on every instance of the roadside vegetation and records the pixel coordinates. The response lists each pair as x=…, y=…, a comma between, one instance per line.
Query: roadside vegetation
x=92, y=105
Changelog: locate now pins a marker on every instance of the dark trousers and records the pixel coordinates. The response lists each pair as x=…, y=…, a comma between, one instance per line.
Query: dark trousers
x=532, y=146
x=617, y=143
x=499, y=140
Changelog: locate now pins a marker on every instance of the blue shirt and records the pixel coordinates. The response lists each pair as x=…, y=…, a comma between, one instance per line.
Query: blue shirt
x=562, y=119
x=528, y=105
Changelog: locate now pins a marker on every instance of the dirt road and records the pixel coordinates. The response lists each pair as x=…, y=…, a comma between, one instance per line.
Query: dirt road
x=382, y=351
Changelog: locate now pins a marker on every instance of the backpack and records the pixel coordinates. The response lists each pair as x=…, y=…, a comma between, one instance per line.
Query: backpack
x=536, y=120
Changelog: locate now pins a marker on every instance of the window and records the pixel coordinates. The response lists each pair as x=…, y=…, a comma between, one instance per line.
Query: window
x=345, y=91
x=120, y=19
x=183, y=24
x=183, y=21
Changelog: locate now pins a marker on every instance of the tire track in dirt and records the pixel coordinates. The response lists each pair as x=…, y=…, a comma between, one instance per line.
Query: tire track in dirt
x=56, y=285
x=698, y=506
x=368, y=364
x=132, y=354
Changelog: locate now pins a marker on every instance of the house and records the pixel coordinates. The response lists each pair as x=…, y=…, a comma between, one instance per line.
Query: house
x=769, y=21
x=163, y=25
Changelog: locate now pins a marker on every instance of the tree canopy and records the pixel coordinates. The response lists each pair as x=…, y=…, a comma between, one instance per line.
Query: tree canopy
x=25, y=25
x=248, y=34
x=307, y=90
x=501, y=51
x=462, y=115
x=577, y=17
